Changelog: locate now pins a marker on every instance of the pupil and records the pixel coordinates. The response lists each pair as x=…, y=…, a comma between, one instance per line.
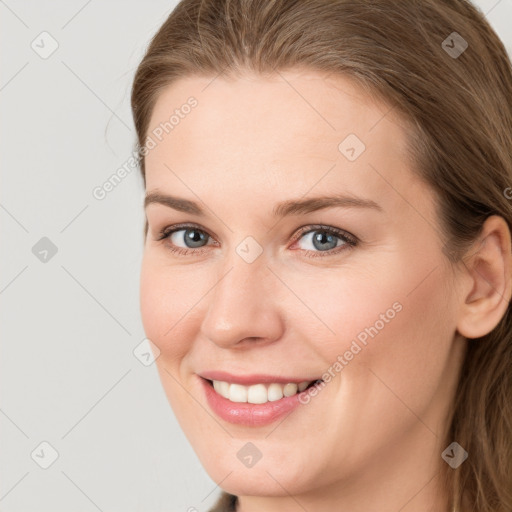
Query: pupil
x=194, y=236
x=322, y=239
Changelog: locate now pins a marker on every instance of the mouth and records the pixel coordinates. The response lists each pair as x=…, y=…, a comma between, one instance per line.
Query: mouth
x=259, y=393
x=254, y=400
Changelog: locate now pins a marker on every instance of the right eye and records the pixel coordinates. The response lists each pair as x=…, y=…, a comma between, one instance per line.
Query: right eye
x=189, y=235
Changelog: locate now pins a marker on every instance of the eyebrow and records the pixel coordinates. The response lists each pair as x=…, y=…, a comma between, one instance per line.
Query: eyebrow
x=285, y=208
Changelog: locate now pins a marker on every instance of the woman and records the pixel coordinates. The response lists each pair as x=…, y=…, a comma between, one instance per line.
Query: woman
x=327, y=261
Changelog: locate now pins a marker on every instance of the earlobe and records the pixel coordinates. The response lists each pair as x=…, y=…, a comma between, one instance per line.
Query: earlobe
x=485, y=300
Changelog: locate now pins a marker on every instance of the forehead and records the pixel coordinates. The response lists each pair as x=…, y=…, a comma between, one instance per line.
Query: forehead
x=299, y=131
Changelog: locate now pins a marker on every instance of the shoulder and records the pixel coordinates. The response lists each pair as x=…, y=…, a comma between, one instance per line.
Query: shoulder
x=226, y=503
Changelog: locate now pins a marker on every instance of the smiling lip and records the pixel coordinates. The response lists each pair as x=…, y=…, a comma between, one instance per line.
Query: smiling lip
x=244, y=413
x=250, y=415
x=248, y=380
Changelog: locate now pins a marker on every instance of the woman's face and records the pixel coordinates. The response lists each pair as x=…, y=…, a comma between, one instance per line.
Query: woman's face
x=277, y=285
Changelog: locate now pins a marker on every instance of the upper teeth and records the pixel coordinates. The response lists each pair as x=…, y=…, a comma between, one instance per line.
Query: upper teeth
x=258, y=393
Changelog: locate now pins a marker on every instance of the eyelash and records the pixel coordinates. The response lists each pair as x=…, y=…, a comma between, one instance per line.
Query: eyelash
x=350, y=240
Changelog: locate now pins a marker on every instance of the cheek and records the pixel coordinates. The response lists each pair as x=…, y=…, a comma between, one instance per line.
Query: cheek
x=398, y=323
x=173, y=302
x=408, y=357
x=164, y=300
x=165, y=305
x=152, y=302
x=344, y=309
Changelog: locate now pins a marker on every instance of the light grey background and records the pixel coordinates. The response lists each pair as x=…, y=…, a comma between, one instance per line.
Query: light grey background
x=71, y=322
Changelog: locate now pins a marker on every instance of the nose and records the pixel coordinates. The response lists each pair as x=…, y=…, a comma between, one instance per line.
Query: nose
x=243, y=307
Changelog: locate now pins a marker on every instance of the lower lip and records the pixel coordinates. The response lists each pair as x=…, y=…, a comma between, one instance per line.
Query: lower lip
x=251, y=415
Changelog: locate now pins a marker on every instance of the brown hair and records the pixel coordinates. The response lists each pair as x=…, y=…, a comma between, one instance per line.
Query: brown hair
x=460, y=112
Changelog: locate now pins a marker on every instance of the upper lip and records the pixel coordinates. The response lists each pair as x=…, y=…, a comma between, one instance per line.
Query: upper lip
x=250, y=379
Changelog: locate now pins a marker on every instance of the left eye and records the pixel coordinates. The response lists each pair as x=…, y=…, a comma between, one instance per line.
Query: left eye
x=324, y=240
x=320, y=239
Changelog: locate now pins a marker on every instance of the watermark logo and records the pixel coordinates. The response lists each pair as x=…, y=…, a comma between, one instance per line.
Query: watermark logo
x=45, y=45
x=146, y=352
x=454, y=455
x=352, y=147
x=44, y=455
x=44, y=250
x=454, y=45
x=249, y=455
x=249, y=249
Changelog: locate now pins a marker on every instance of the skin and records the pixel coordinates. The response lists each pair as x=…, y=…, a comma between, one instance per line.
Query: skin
x=372, y=438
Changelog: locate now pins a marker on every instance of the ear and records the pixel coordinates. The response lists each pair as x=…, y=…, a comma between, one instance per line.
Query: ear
x=487, y=280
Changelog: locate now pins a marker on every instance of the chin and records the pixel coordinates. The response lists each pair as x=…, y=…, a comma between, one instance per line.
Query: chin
x=269, y=476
